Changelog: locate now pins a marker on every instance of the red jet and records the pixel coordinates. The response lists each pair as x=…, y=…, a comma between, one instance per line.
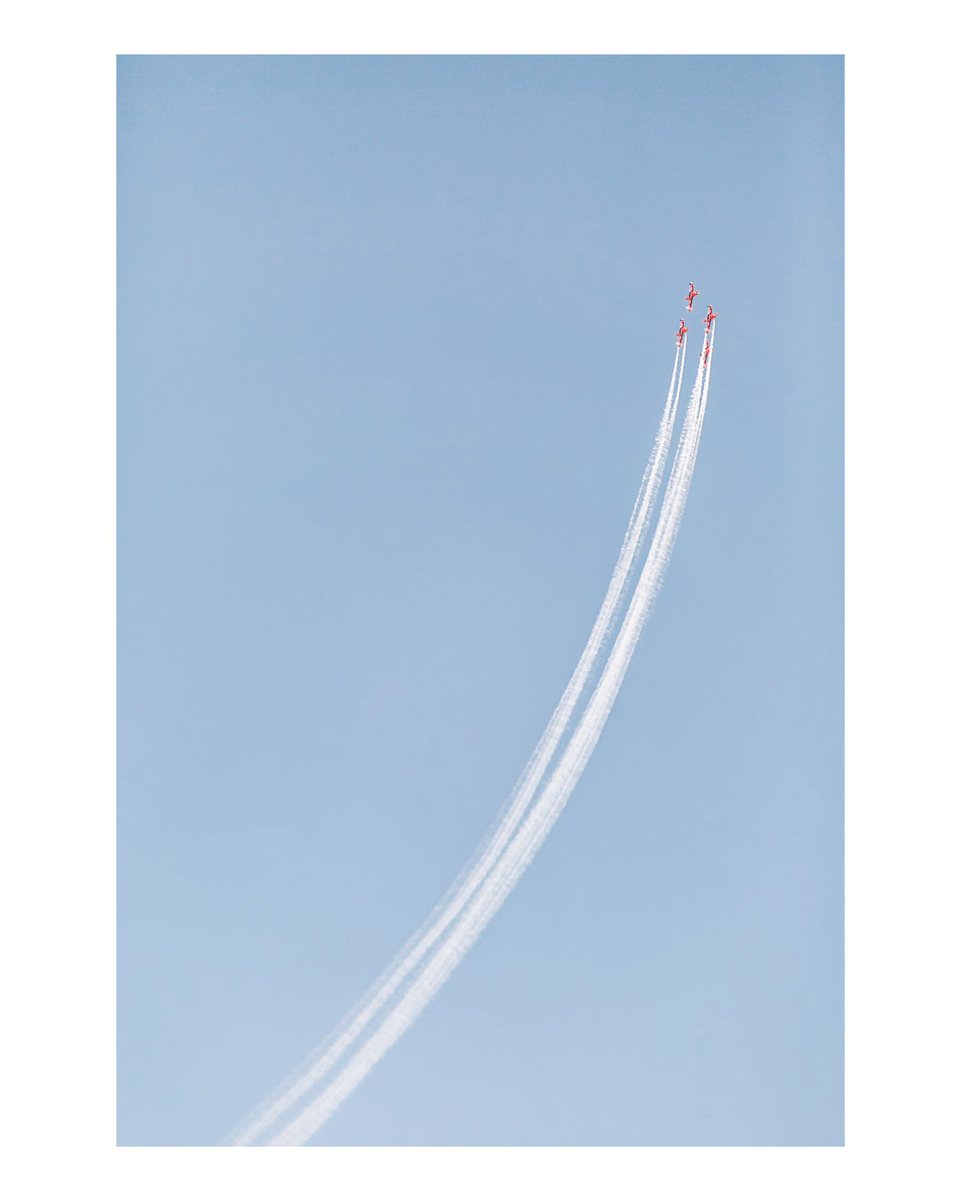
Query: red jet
x=707, y=351
x=681, y=332
x=711, y=317
x=690, y=297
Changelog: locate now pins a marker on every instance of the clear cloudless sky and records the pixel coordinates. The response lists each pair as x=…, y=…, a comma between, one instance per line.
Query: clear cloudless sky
x=394, y=337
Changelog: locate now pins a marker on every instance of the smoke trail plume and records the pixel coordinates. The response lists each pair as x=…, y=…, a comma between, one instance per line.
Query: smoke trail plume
x=476, y=913
x=322, y=1061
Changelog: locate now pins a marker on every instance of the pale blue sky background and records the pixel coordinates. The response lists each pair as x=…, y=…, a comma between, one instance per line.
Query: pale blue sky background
x=394, y=336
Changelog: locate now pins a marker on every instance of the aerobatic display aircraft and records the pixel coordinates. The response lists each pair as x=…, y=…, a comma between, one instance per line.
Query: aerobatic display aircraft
x=681, y=332
x=711, y=317
x=690, y=297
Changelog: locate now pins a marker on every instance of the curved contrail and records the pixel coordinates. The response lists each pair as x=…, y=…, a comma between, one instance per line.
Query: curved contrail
x=319, y=1064
x=518, y=853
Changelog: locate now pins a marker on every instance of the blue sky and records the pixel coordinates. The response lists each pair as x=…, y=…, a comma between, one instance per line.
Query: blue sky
x=394, y=336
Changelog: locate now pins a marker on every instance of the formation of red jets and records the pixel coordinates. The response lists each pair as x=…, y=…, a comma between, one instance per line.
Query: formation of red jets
x=708, y=320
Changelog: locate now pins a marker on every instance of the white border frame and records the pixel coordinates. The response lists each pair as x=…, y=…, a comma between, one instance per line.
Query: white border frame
x=58, y=699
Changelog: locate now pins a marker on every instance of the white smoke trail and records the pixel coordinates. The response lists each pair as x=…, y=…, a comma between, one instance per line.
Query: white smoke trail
x=518, y=854
x=320, y=1063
